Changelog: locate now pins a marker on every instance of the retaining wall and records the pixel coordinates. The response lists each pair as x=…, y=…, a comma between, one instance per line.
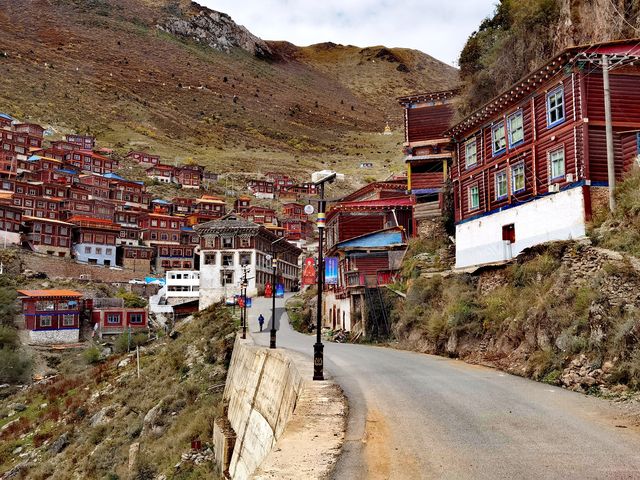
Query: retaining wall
x=277, y=413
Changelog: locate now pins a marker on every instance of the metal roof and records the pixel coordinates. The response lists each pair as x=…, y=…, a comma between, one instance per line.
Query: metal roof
x=49, y=293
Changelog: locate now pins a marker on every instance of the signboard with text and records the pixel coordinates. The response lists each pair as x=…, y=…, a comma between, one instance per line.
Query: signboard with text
x=331, y=271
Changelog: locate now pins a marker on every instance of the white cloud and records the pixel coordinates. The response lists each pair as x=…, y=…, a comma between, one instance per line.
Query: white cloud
x=437, y=27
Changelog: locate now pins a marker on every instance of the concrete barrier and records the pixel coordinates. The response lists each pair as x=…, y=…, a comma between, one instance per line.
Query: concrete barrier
x=284, y=425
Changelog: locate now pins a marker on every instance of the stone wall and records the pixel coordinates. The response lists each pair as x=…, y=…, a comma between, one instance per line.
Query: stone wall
x=267, y=391
x=55, y=267
x=51, y=337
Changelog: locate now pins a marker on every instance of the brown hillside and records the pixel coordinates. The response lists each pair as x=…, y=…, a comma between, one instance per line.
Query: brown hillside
x=104, y=66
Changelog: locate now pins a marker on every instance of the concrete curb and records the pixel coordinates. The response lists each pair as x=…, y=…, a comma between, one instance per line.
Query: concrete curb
x=312, y=441
x=280, y=424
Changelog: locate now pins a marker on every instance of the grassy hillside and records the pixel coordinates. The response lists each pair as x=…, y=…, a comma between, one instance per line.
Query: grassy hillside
x=85, y=419
x=521, y=36
x=104, y=67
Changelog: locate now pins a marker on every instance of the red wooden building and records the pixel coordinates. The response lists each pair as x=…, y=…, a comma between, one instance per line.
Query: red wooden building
x=261, y=188
x=114, y=320
x=189, y=176
x=162, y=173
x=144, y=158
x=242, y=204
x=44, y=235
x=10, y=222
x=52, y=316
x=85, y=142
x=529, y=161
x=428, y=149
x=90, y=161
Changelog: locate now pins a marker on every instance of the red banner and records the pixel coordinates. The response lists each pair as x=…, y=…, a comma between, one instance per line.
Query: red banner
x=268, y=291
x=309, y=272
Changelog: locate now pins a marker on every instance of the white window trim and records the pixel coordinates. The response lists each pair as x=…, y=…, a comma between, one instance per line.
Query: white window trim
x=513, y=178
x=466, y=153
x=558, y=89
x=470, y=188
x=494, y=128
x=517, y=113
x=564, y=164
x=502, y=172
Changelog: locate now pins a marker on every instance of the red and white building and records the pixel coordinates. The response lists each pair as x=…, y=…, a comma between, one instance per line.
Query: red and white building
x=530, y=162
x=52, y=316
x=144, y=158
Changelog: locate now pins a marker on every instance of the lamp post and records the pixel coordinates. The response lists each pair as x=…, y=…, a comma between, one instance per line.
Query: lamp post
x=272, y=337
x=274, y=266
x=318, y=348
x=243, y=292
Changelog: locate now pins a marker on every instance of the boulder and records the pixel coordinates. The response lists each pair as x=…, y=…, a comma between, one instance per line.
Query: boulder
x=60, y=444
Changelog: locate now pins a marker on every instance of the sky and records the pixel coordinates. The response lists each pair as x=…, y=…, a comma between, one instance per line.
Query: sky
x=437, y=27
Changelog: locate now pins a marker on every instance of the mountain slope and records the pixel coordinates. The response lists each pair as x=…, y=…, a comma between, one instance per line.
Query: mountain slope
x=111, y=67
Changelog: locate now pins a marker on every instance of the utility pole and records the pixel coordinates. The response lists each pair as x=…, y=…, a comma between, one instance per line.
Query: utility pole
x=318, y=347
x=244, y=303
x=274, y=266
x=611, y=169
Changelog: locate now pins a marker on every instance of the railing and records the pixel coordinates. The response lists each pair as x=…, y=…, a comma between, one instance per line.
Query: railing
x=355, y=279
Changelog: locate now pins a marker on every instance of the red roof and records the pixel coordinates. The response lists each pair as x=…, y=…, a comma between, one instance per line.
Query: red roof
x=404, y=201
x=49, y=293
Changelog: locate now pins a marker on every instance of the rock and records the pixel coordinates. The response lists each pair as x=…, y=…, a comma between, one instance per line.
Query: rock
x=18, y=407
x=60, y=444
x=105, y=353
x=101, y=417
x=124, y=362
x=134, y=450
x=7, y=425
x=18, y=450
x=607, y=367
x=16, y=472
x=217, y=30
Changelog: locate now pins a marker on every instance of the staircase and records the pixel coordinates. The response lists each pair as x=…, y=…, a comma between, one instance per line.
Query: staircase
x=427, y=211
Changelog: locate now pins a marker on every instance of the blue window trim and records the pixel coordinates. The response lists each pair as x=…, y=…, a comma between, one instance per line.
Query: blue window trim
x=638, y=143
x=501, y=197
x=511, y=143
x=495, y=153
x=512, y=179
x=560, y=120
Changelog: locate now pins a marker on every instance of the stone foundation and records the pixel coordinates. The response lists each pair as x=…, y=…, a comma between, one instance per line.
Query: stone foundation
x=52, y=337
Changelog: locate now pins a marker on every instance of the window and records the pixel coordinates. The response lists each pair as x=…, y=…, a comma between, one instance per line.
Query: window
x=209, y=258
x=498, y=140
x=113, y=318
x=45, y=320
x=68, y=321
x=245, y=258
x=226, y=277
x=556, y=163
x=555, y=107
x=108, y=251
x=501, y=184
x=516, y=128
x=45, y=305
x=517, y=178
x=227, y=242
x=245, y=242
x=227, y=260
x=474, y=197
x=135, y=318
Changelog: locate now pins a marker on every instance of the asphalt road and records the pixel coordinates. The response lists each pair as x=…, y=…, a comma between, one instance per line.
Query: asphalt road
x=415, y=416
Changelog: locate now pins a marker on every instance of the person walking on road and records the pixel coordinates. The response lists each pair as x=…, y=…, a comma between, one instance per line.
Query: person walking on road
x=261, y=321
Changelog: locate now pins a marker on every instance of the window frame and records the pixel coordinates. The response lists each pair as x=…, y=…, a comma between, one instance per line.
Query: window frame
x=501, y=173
x=517, y=113
x=473, y=141
x=470, y=196
x=500, y=126
x=513, y=177
x=559, y=89
x=564, y=164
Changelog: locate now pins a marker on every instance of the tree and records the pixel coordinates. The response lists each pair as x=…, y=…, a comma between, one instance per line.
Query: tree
x=8, y=310
x=131, y=300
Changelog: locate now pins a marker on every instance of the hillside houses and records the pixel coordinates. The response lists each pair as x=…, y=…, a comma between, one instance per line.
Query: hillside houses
x=63, y=198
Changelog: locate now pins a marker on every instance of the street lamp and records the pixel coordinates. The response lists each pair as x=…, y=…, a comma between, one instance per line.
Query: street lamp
x=274, y=266
x=243, y=293
x=318, y=348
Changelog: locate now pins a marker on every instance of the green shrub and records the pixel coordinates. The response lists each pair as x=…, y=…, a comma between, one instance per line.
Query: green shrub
x=91, y=355
x=15, y=366
x=9, y=337
x=131, y=300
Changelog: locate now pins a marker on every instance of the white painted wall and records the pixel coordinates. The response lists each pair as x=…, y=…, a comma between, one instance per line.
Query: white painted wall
x=182, y=284
x=341, y=304
x=559, y=216
x=211, y=288
x=82, y=255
